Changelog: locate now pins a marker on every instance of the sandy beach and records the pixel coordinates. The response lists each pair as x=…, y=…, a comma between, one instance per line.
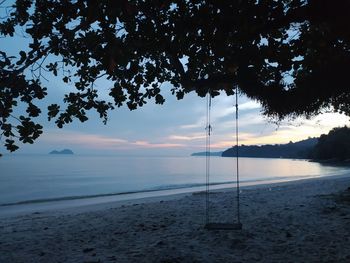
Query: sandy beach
x=300, y=221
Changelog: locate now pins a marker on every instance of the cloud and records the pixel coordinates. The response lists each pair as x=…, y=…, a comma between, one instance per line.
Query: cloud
x=223, y=113
x=196, y=125
x=146, y=144
x=249, y=105
x=74, y=138
x=187, y=138
x=95, y=141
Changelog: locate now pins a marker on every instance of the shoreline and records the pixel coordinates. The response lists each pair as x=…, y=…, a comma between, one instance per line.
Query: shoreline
x=299, y=221
x=100, y=202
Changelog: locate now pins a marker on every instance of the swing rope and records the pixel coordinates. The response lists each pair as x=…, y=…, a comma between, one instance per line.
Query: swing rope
x=207, y=154
x=237, y=163
x=208, y=129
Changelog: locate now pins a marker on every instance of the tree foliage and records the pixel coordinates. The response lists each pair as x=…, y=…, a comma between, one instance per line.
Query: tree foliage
x=297, y=150
x=334, y=145
x=290, y=55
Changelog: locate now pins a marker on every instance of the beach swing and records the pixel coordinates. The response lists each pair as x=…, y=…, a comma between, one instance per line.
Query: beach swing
x=236, y=222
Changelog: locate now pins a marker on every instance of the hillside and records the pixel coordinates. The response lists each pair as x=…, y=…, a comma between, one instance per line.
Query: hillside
x=297, y=150
x=333, y=146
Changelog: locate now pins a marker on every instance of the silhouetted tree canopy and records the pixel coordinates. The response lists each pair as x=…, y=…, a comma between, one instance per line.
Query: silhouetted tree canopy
x=290, y=55
x=334, y=145
x=297, y=150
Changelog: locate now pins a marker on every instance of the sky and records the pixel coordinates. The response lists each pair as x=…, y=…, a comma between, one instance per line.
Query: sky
x=176, y=128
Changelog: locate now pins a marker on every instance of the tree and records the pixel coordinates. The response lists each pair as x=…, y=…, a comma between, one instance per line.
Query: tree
x=290, y=55
x=334, y=145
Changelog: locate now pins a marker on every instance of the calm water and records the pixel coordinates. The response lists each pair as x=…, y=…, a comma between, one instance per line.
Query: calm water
x=36, y=177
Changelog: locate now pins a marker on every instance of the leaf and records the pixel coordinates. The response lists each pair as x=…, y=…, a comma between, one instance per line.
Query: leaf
x=10, y=145
x=159, y=99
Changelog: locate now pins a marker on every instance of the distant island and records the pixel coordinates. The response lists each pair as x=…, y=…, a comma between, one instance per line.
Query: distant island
x=204, y=154
x=65, y=151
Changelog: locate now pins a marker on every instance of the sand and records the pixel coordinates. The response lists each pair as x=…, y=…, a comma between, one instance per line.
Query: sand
x=301, y=221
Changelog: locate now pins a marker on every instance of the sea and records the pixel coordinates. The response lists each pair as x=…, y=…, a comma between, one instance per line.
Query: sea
x=26, y=179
